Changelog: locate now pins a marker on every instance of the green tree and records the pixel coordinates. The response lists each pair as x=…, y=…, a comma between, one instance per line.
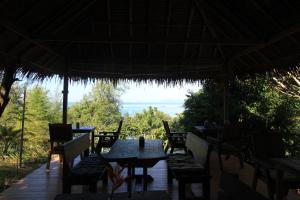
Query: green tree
x=148, y=123
x=38, y=112
x=99, y=108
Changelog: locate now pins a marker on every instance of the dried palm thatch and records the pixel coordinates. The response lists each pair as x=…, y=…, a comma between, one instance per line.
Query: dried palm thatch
x=162, y=41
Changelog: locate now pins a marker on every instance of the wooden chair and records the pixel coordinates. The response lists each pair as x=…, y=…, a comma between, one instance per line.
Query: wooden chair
x=175, y=139
x=108, y=138
x=229, y=142
x=270, y=145
x=59, y=134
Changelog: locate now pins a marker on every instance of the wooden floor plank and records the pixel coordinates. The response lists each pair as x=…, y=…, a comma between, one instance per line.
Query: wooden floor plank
x=45, y=185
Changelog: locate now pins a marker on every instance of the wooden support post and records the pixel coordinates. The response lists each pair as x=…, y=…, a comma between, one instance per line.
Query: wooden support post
x=65, y=98
x=225, y=102
x=7, y=80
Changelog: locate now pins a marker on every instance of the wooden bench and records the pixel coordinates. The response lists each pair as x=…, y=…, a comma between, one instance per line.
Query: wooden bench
x=233, y=189
x=88, y=171
x=192, y=167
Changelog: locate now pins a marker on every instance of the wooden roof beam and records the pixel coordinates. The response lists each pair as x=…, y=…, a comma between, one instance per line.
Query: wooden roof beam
x=201, y=36
x=145, y=40
x=130, y=19
x=148, y=6
x=208, y=24
x=188, y=29
x=74, y=16
x=108, y=8
x=168, y=20
x=228, y=20
x=273, y=39
x=271, y=18
x=11, y=27
x=45, y=24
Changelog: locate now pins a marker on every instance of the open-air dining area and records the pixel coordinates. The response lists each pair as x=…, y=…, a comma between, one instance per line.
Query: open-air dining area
x=236, y=138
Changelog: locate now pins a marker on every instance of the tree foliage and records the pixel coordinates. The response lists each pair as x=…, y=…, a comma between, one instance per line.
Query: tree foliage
x=254, y=100
x=101, y=107
x=147, y=123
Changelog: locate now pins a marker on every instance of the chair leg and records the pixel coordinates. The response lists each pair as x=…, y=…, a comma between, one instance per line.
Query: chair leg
x=220, y=160
x=49, y=160
x=185, y=150
x=98, y=148
x=93, y=187
x=105, y=178
x=170, y=176
x=255, y=178
x=66, y=187
x=181, y=190
x=270, y=188
x=241, y=162
x=206, y=189
x=172, y=149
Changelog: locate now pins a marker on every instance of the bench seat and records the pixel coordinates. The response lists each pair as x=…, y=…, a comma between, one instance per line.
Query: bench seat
x=192, y=167
x=88, y=171
x=91, y=168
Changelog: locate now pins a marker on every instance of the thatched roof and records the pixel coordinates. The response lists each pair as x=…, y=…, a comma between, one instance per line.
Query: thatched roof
x=149, y=39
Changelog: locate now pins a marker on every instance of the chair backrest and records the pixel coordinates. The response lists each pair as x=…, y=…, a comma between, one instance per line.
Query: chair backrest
x=268, y=144
x=60, y=132
x=199, y=148
x=167, y=128
x=232, y=132
x=120, y=126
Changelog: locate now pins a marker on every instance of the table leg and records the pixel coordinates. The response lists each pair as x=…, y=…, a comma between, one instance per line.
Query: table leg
x=129, y=180
x=145, y=178
x=279, y=189
x=93, y=142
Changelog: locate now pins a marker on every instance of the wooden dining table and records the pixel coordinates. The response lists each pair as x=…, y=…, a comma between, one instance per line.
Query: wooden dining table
x=204, y=131
x=129, y=152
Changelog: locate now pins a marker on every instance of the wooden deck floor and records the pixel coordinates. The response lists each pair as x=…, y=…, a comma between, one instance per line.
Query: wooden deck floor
x=45, y=185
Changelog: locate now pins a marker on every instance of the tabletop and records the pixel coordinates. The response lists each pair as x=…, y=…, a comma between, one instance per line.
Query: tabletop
x=129, y=149
x=83, y=129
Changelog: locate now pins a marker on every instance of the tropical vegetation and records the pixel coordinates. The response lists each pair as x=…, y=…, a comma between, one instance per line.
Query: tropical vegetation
x=268, y=101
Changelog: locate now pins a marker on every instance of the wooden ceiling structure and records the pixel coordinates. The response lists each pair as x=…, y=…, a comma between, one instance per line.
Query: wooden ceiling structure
x=158, y=40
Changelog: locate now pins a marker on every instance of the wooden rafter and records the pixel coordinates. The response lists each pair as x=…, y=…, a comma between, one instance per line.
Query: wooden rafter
x=212, y=61
x=73, y=16
x=201, y=36
x=108, y=8
x=231, y=19
x=188, y=29
x=275, y=38
x=271, y=18
x=11, y=27
x=209, y=25
x=64, y=10
x=130, y=19
x=167, y=25
x=149, y=39
x=148, y=8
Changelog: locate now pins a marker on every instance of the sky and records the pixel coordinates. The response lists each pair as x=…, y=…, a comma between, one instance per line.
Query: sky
x=133, y=93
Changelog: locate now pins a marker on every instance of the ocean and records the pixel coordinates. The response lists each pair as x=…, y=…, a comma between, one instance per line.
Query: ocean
x=170, y=108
